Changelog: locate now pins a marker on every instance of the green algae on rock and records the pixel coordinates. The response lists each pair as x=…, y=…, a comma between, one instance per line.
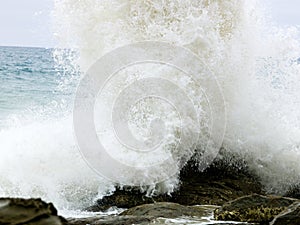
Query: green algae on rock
x=169, y=210
x=253, y=208
x=290, y=216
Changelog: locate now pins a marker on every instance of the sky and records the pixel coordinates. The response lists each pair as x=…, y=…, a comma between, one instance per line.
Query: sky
x=285, y=12
x=28, y=22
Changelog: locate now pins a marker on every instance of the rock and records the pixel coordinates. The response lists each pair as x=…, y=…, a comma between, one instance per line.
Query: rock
x=15, y=211
x=290, y=216
x=218, y=184
x=129, y=220
x=125, y=198
x=168, y=210
x=253, y=208
x=157, y=213
x=293, y=192
x=112, y=220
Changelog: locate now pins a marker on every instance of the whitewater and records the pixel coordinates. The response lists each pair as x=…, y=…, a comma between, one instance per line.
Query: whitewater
x=254, y=61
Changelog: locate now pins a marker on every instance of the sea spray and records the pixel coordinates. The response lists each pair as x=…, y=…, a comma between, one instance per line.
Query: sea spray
x=254, y=62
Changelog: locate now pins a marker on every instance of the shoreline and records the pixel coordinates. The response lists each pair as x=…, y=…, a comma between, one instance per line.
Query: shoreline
x=219, y=195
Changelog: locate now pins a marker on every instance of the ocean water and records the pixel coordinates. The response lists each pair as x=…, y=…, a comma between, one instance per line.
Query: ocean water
x=36, y=130
x=253, y=60
x=28, y=78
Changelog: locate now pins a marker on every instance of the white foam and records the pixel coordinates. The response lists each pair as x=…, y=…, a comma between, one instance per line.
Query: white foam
x=254, y=62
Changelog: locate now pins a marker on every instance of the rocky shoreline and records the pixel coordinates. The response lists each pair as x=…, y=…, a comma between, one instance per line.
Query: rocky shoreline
x=252, y=209
x=225, y=192
x=216, y=185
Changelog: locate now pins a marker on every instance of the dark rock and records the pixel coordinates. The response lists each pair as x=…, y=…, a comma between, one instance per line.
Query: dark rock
x=293, y=192
x=220, y=183
x=128, y=220
x=28, y=211
x=253, y=208
x=290, y=216
x=157, y=213
x=125, y=198
x=112, y=220
x=234, y=223
x=168, y=210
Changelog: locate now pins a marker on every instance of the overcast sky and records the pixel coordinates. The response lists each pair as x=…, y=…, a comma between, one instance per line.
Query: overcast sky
x=28, y=22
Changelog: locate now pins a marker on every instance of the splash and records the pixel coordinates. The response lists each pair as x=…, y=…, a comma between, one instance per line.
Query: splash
x=254, y=62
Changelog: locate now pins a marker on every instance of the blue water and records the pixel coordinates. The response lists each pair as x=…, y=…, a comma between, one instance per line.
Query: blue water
x=29, y=80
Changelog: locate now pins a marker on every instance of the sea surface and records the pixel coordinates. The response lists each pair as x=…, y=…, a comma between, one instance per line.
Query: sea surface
x=30, y=81
x=28, y=77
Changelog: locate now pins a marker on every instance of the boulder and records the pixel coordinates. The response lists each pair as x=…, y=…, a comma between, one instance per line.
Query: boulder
x=112, y=220
x=221, y=182
x=125, y=198
x=290, y=216
x=168, y=210
x=157, y=213
x=253, y=208
x=293, y=192
x=15, y=211
x=129, y=220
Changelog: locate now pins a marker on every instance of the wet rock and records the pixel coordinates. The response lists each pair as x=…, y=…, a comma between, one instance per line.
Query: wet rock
x=15, y=211
x=168, y=210
x=290, y=216
x=219, y=183
x=158, y=213
x=112, y=220
x=293, y=192
x=129, y=220
x=125, y=198
x=253, y=208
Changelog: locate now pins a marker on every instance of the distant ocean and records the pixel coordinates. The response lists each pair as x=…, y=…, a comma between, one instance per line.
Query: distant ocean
x=29, y=80
x=39, y=153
